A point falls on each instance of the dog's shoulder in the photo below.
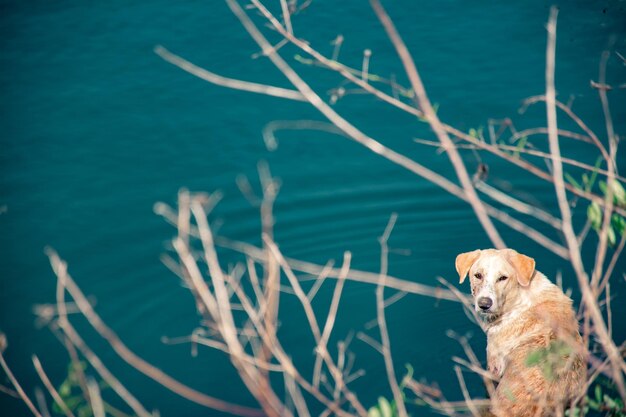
(551, 306)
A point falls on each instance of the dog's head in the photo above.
(495, 277)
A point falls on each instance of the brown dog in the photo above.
(533, 343)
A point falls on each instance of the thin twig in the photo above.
(139, 363)
(609, 269)
(350, 75)
(382, 321)
(354, 274)
(60, 270)
(372, 144)
(567, 110)
(8, 391)
(286, 16)
(332, 315)
(488, 377)
(518, 205)
(41, 401)
(104, 373)
(608, 207)
(226, 82)
(466, 396)
(14, 382)
(97, 405)
(53, 392)
(313, 324)
(430, 115)
(370, 341)
(250, 375)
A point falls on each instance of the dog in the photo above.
(534, 346)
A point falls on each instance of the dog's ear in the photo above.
(464, 262)
(524, 266)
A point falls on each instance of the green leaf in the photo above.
(56, 408)
(409, 370)
(509, 394)
(394, 409)
(563, 349)
(572, 181)
(520, 145)
(407, 376)
(619, 223)
(585, 180)
(535, 357)
(385, 407)
(573, 412)
(73, 371)
(619, 194)
(610, 236)
(373, 412)
(85, 411)
(593, 405)
(609, 401)
(65, 389)
(598, 393)
(594, 214)
(547, 370)
(73, 402)
(594, 175)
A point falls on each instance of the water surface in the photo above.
(96, 129)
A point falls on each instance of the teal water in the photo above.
(96, 129)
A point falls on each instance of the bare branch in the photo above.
(382, 321)
(140, 364)
(310, 314)
(332, 315)
(608, 207)
(353, 275)
(468, 399)
(286, 16)
(435, 123)
(104, 373)
(226, 82)
(14, 382)
(94, 393)
(518, 205)
(53, 392)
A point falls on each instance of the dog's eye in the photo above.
(502, 278)
(478, 275)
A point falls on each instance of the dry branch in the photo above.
(14, 382)
(382, 321)
(53, 392)
(430, 115)
(139, 363)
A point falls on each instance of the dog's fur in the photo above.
(527, 313)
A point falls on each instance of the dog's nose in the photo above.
(485, 303)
